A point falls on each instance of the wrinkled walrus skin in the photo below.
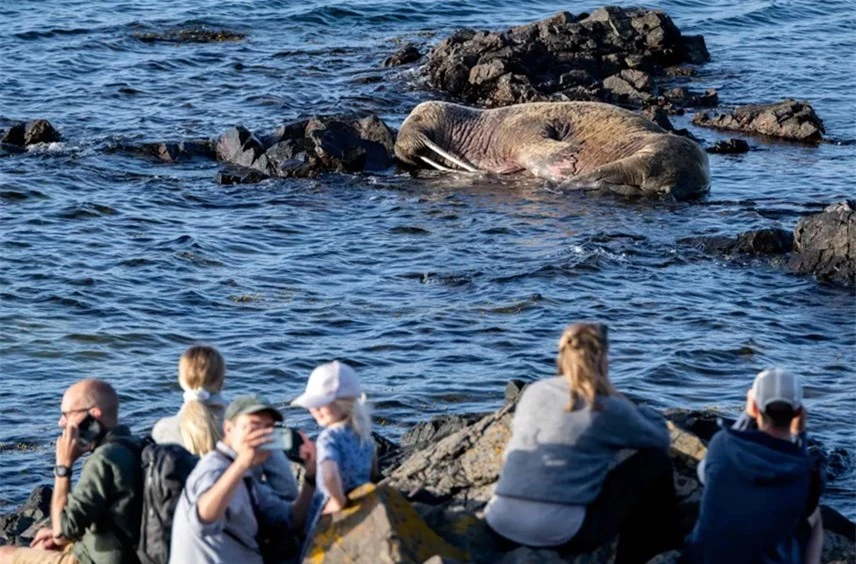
(580, 144)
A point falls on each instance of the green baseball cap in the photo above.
(246, 405)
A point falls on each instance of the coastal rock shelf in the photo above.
(448, 471)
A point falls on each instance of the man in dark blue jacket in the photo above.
(761, 487)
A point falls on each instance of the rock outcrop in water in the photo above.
(821, 244)
(190, 35)
(825, 244)
(29, 133)
(788, 119)
(448, 479)
(612, 54)
(309, 147)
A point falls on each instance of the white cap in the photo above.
(777, 385)
(328, 383)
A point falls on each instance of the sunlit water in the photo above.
(438, 290)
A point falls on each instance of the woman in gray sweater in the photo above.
(566, 482)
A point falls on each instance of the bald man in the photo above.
(98, 520)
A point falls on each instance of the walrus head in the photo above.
(425, 133)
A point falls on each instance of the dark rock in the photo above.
(408, 54)
(610, 55)
(14, 135)
(772, 241)
(344, 145)
(172, 152)
(701, 423)
(730, 147)
(289, 158)
(19, 526)
(238, 175)
(682, 96)
(697, 52)
(389, 454)
(40, 131)
(238, 146)
(629, 87)
(513, 389)
(190, 35)
(423, 434)
(788, 119)
(659, 116)
(825, 244)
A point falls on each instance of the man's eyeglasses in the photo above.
(70, 411)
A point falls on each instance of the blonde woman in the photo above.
(198, 425)
(560, 487)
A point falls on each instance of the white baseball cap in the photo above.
(777, 385)
(327, 383)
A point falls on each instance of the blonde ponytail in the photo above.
(201, 372)
(200, 429)
(582, 360)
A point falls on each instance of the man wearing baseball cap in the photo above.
(222, 508)
(761, 488)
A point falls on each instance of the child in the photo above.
(345, 448)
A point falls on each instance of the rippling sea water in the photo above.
(438, 290)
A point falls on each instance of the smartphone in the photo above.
(293, 450)
(280, 439)
(89, 431)
(287, 440)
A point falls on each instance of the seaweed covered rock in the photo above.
(825, 244)
(611, 54)
(788, 119)
(378, 525)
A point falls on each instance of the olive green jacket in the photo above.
(102, 515)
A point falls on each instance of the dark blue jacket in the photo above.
(754, 503)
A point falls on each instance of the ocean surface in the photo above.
(438, 290)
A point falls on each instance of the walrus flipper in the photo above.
(550, 159)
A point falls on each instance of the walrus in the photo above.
(578, 144)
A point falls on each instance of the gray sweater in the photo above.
(563, 457)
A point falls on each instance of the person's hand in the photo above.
(308, 455)
(798, 423)
(68, 447)
(332, 506)
(44, 540)
(249, 453)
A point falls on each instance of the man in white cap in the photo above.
(761, 488)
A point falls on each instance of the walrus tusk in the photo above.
(437, 165)
(448, 157)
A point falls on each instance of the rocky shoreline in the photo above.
(446, 468)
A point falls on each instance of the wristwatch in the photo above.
(61, 471)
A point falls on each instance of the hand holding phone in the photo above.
(89, 431)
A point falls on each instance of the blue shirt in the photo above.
(232, 538)
(353, 456)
